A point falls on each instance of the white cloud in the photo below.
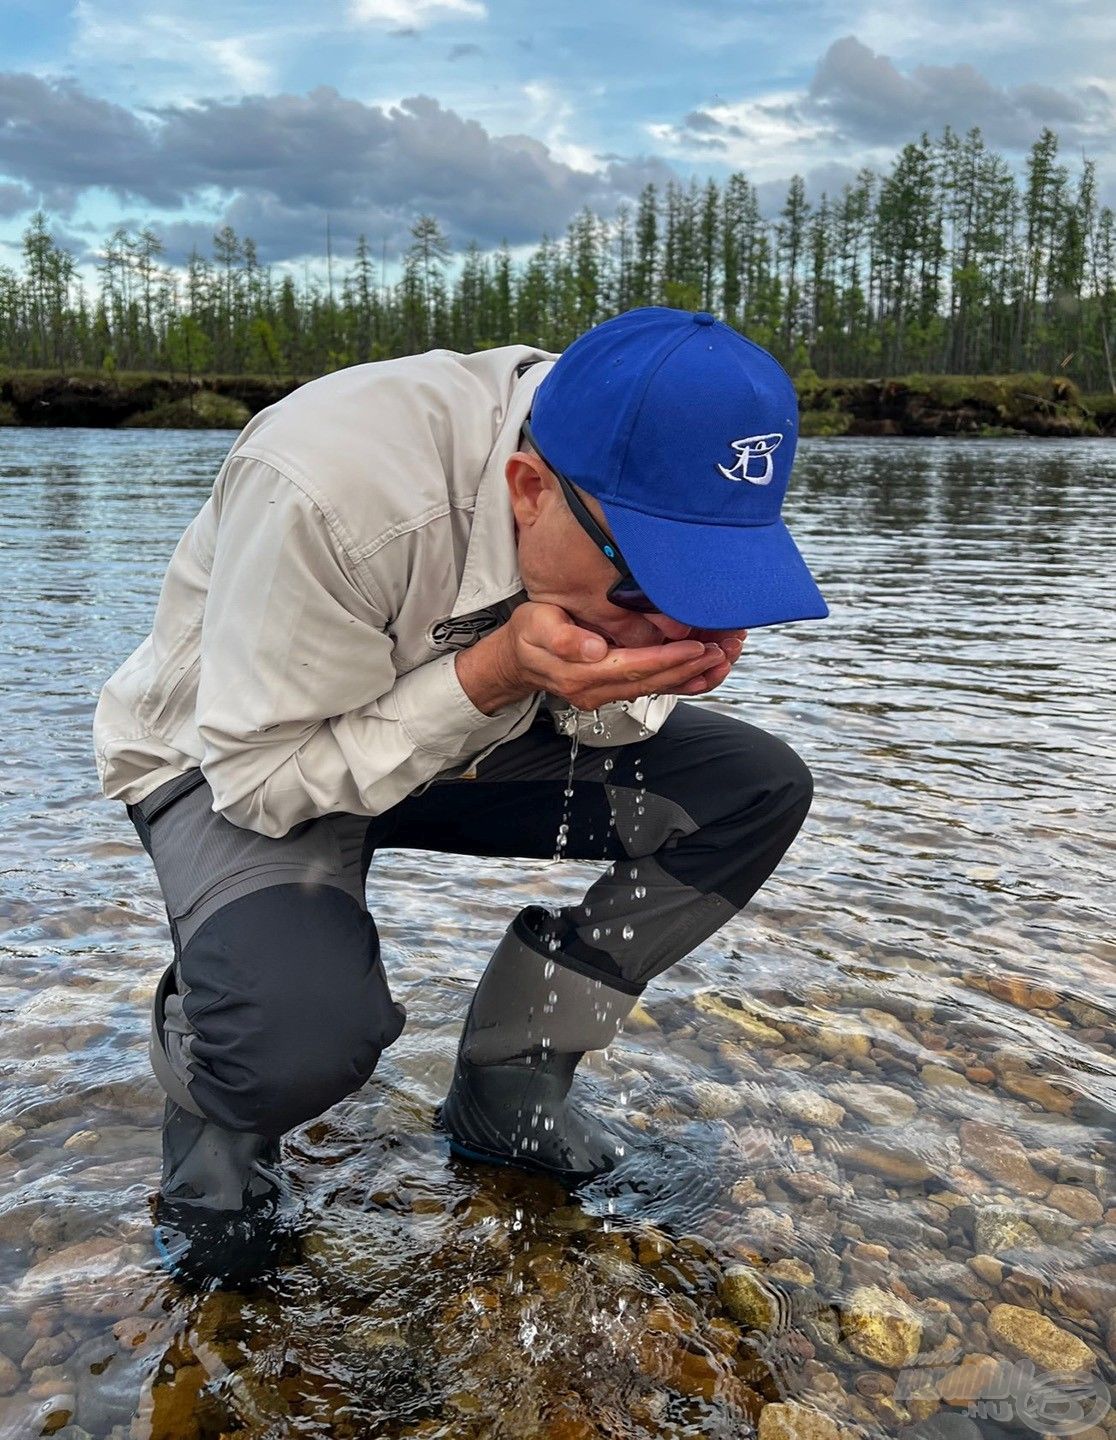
(415, 14)
(768, 136)
(860, 107)
(547, 118)
(199, 58)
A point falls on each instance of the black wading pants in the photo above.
(277, 1004)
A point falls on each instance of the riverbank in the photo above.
(992, 406)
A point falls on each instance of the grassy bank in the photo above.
(980, 405)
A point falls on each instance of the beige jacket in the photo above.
(358, 534)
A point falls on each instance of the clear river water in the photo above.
(878, 1104)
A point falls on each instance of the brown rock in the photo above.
(10, 1132)
(791, 1420)
(1018, 990)
(933, 1074)
(748, 1299)
(810, 1185)
(790, 1271)
(87, 1259)
(810, 1108)
(1001, 1157)
(1034, 1087)
(988, 1268)
(880, 1326)
(890, 1159)
(1029, 1334)
(9, 1376)
(48, 1350)
(1076, 1201)
(878, 1104)
(753, 1028)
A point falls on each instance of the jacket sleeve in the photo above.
(300, 710)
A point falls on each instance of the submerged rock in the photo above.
(9, 1375)
(1001, 1157)
(753, 1027)
(892, 1160)
(10, 1132)
(1076, 1201)
(810, 1108)
(879, 1325)
(792, 1420)
(714, 1100)
(748, 1299)
(1029, 1334)
(996, 1230)
(877, 1104)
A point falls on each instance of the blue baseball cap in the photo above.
(685, 432)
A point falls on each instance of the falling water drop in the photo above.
(564, 825)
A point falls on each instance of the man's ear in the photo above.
(527, 485)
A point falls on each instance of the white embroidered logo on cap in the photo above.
(754, 449)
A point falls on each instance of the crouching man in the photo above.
(412, 582)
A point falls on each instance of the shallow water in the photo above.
(942, 928)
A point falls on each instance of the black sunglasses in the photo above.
(626, 592)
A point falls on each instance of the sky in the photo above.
(504, 119)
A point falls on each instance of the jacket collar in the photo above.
(491, 572)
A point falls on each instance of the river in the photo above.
(878, 1104)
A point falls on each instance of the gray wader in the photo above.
(277, 1005)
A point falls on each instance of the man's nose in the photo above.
(671, 629)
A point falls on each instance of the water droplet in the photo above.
(628, 932)
(596, 932)
(640, 892)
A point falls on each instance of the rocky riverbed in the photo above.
(858, 1222)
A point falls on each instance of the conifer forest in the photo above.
(948, 263)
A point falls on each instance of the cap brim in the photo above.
(717, 577)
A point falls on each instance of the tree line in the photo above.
(947, 263)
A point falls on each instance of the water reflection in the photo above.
(876, 1110)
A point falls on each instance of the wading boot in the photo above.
(224, 1214)
(531, 1020)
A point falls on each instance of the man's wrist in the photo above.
(487, 677)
